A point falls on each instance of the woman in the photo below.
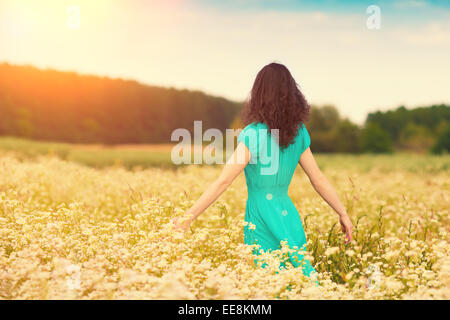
(274, 117)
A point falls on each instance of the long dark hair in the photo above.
(277, 101)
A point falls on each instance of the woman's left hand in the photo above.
(182, 223)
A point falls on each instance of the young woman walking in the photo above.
(269, 148)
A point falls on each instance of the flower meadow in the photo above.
(68, 231)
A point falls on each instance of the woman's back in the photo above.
(271, 166)
(268, 176)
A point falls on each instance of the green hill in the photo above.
(69, 107)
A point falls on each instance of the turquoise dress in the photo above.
(268, 206)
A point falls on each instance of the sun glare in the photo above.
(25, 17)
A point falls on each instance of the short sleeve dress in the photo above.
(268, 207)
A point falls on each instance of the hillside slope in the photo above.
(66, 106)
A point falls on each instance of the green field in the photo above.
(145, 156)
(89, 228)
(97, 156)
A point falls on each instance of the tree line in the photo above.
(68, 107)
(421, 129)
(65, 106)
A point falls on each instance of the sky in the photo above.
(219, 46)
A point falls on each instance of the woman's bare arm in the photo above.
(234, 166)
(326, 190)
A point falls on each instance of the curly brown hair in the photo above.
(276, 100)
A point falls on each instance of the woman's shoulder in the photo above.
(303, 138)
(302, 128)
(253, 127)
(251, 136)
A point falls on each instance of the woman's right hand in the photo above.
(346, 226)
(326, 191)
(182, 223)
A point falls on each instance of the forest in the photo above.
(422, 129)
(67, 107)
(50, 105)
